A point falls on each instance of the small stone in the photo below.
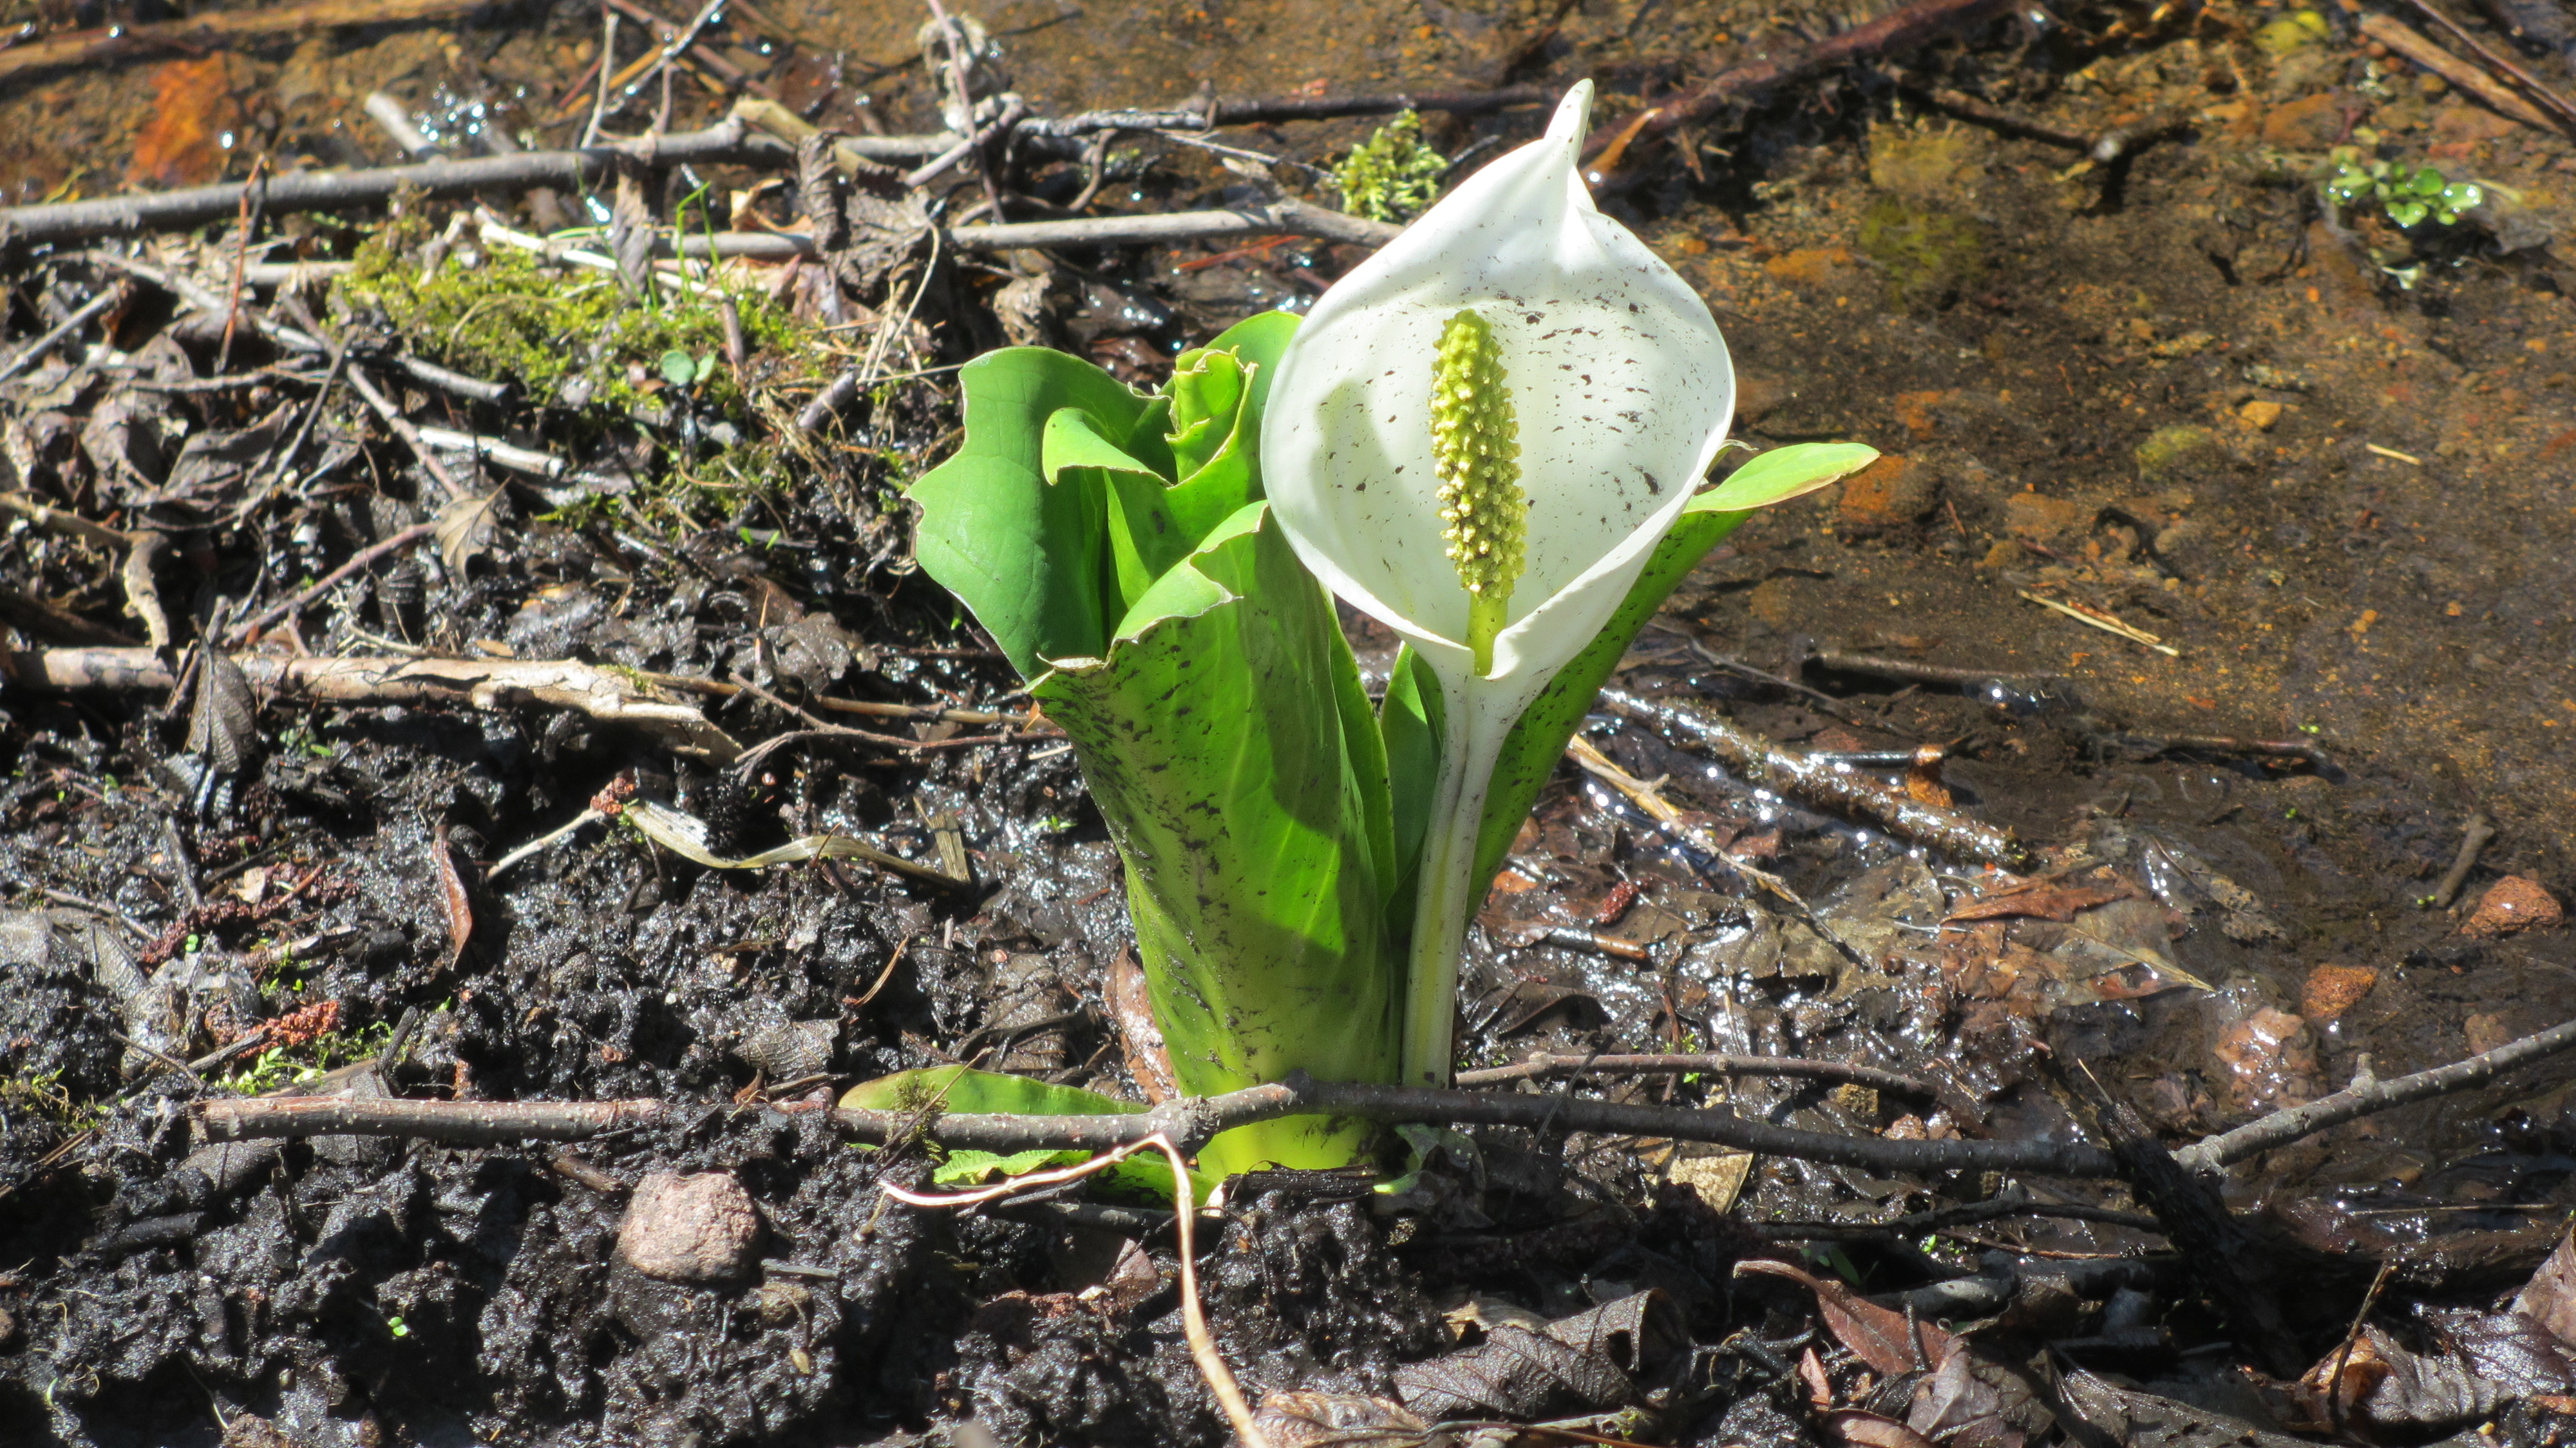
(2486, 1031)
(2512, 904)
(1889, 493)
(249, 1430)
(2310, 123)
(8, 1330)
(2271, 1060)
(1773, 602)
(1813, 266)
(2034, 518)
(2332, 989)
(2176, 454)
(2005, 554)
(2260, 414)
(696, 1229)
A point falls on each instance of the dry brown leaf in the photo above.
(223, 723)
(1610, 1357)
(464, 529)
(1338, 1420)
(454, 899)
(1139, 1039)
(2058, 900)
(1871, 1430)
(2549, 1298)
(1878, 1336)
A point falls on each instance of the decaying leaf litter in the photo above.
(2169, 388)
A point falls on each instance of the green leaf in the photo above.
(1025, 555)
(1218, 393)
(2407, 213)
(1411, 722)
(1143, 539)
(1247, 798)
(964, 1091)
(970, 1092)
(1531, 750)
(1784, 473)
(679, 368)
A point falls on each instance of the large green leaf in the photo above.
(1411, 723)
(1247, 797)
(1531, 750)
(1072, 493)
(1024, 554)
(1216, 415)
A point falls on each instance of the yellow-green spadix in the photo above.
(1620, 391)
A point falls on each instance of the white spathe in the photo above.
(1622, 389)
(1617, 371)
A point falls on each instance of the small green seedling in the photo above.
(2409, 196)
(1392, 176)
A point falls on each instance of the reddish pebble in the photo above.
(2512, 904)
(697, 1228)
(2332, 989)
(2271, 1060)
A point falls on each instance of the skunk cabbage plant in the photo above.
(1490, 436)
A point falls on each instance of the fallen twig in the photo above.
(1545, 1066)
(2014, 1203)
(1295, 218)
(1901, 30)
(1190, 1122)
(2102, 148)
(2501, 65)
(1286, 214)
(607, 695)
(2480, 830)
(211, 30)
(2369, 1098)
(726, 142)
(2107, 623)
(137, 551)
(1668, 817)
(35, 350)
(2389, 31)
(1831, 785)
(1914, 673)
(249, 628)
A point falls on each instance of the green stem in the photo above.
(1487, 612)
(1448, 894)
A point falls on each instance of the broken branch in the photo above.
(602, 694)
(1550, 1067)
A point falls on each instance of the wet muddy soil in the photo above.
(2322, 463)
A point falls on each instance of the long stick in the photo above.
(2355, 1102)
(1901, 30)
(62, 329)
(1543, 1067)
(1191, 1122)
(726, 142)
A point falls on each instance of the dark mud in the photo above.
(2323, 462)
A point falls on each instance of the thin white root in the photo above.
(1203, 1348)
